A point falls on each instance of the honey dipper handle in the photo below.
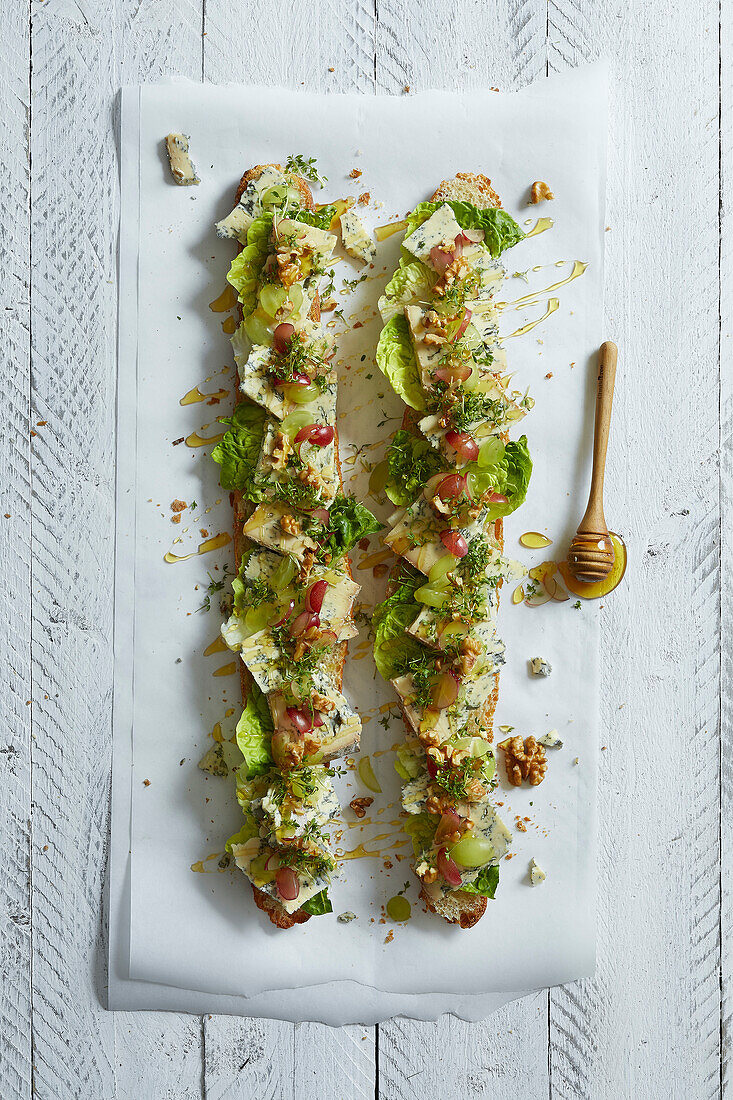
(594, 520)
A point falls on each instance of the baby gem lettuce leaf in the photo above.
(393, 649)
(318, 904)
(485, 882)
(254, 733)
(249, 830)
(396, 360)
(246, 268)
(500, 229)
(411, 462)
(409, 283)
(508, 474)
(349, 521)
(237, 453)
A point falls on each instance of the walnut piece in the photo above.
(280, 450)
(309, 557)
(360, 806)
(524, 759)
(540, 191)
(322, 703)
(290, 525)
(178, 505)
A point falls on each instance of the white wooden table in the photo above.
(654, 1021)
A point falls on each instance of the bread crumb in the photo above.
(176, 518)
(178, 505)
(355, 173)
(146, 782)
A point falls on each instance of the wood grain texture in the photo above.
(15, 576)
(726, 530)
(499, 45)
(648, 1024)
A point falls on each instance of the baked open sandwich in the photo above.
(292, 598)
(452, 474)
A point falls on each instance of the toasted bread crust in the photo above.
(275, 911)
(468, 187)
(459, 908)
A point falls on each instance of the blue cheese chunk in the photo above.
(306, 238)
(259, 651)
(182, 167)
(340, 730)
(439, 231)
(416, 537)
(550, 740)
(249, 206)
(536, 874)
(427, 355)
(538, 666)
(265, 526)
(355, 238)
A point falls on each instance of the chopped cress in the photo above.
(292, 598)
(451, 478)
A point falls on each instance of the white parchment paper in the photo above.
(174, 927)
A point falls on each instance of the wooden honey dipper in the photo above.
(591, 554)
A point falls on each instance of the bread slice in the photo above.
(459, 907)
(335, 661)
(467, 187)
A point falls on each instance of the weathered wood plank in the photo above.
(462, 46)
(159, 1054)
(295, 46)
(82, 53)
(15, 577)
(501, 1058)
(648, 1023)
(73, 307)
(726, 529)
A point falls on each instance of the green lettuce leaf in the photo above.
(411, 461)
(254, 733)
(393, 649)
(396, 360)
(485, 883)
(500, 229)
(249, 830)
(246, 268)
(421, 827)
(349, 521)
(409, 283)
(238, 451)
(508, 474)
(318, 905)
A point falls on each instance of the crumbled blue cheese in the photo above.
(536, 874)
(538, 666)
(182, 167)
(346, 917)
(355, 238)
(439, 231)
(265, 526)
(416, 536)
(550, 740)
(249, 206)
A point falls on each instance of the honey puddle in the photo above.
(195, 395)
(210, 544)
(226, 300)
(217, 646)
(196, 440)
